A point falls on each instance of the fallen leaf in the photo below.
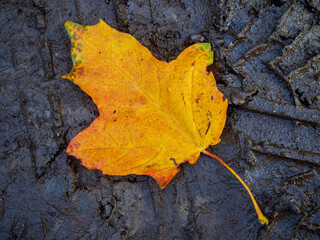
(154, 115)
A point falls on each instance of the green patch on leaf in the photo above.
(210, 56)
(205, 46)
(77, 61)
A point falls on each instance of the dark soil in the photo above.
(267, 62)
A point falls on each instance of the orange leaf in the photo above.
(153, 115)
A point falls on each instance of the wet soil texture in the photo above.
(267, 62)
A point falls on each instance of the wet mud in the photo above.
(266, 62)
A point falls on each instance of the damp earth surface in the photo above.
(266, 62)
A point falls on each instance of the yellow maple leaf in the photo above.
(154, 115)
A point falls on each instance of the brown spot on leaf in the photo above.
(209, 124)
(80, 70)
(174, 161)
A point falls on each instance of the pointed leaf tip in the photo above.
(67, 24)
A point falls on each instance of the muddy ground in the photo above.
(267, 62)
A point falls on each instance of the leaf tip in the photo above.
(68, 77)
(205, 46)
(68, 24)
(164, 183)
(163, 176)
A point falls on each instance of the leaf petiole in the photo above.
(262, 219)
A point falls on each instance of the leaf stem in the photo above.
(262, 219)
